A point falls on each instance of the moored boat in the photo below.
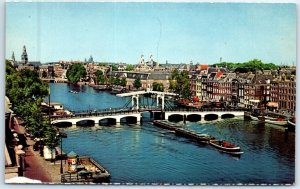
(291, 124)
(253, 118)
(280, 122)
(226, 147)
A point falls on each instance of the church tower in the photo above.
(13, 57)
(24, 56)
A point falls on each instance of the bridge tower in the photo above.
(162, 98)
(135, 101)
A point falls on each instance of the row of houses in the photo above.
(274, 89)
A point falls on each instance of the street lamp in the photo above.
(61, 135)
(21, 154)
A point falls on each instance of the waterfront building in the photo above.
(241, 81)
(159, 77)
(204, 96)
(274, 95)
(287, 93)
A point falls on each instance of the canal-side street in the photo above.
(142, 153)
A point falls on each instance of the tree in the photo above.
(26, 91)
(114, 67)
(76, 72)
(137, 83)
(182, 83)
(111, 80)
(44, 74)
(117, 81)
(158, 86)
(123, 82)
(129, 67)
(172, 85)
(100, 77)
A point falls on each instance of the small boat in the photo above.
(291, 124)
(253, 118)
(226, 147)
(280, 122)
(72, 91)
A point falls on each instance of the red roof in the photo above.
(219, 74)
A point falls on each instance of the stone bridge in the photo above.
(195, 115)
(93, 118)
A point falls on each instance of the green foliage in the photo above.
(26, 92)
(123, 82)
(76, 72)
(117, 81)
(129, 67)
(250, 66)
(100, 77)
(111, 80)
(172, 85)
(182, 85)
(44, 74)
(9, 67)
(114, 67)
(158, 86)
(137, 83)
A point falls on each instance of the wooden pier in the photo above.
(88, 171)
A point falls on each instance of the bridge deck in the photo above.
(146, 92)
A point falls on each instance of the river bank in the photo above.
(36, 167)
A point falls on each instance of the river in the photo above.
(145, 154)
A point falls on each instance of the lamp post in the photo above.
(61, 135)
(20, 153)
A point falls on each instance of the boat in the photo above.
(253, 118)
(72, 91)
(278, 121)
(271, 120)
(291, 124)
(203, 138)
(226, 147)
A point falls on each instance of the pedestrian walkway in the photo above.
(33, 166)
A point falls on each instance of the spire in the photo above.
(13, 57)
(24, 56)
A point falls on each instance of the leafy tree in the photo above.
(123, 82)
(129, 67)
(114, 67)
(182, 83)
(111, 80)
(26, 92)
(76, 72)
(172, 85)
(250, 66)
(158, 86)
(117, 81)
(100, 77)
(44, 74)
(137, 83)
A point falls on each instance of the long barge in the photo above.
(201, 138)
(183, 132)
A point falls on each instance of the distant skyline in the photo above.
(176, 32)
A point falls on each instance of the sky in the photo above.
(173, 32)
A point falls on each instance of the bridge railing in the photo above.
(205, 109)
(109, 112)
